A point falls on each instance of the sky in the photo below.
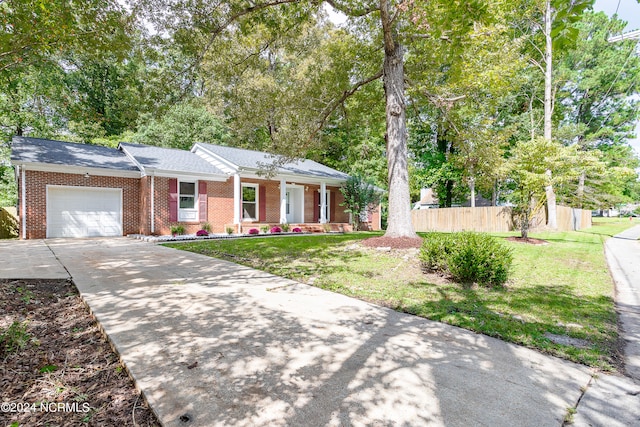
(628, 10)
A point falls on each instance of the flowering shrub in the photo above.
(276, 229)
(202, 232)
(297, 230)
(254, 231)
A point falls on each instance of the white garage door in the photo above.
(84, 212)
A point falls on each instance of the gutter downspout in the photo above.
(153, 196)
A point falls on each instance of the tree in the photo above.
(527, 171)
(360, 198)
(596, 111)
(383, 24)
(181, 127)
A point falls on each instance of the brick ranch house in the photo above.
(79, 190)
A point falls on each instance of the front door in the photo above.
(295, 205)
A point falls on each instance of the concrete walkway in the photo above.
(623, 257)
(213, 343)
(29, 259)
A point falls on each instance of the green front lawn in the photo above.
(562, 288)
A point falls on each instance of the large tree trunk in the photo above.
(399, 219)
(472, 189)
(552, 221)
(580, 193)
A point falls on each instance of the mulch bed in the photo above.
(528, 240)
(62, 372)
(393, 242)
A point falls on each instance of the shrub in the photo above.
(468, 257)
(264, 229)
(202, 232)
(254, 231)
(284, 227)
(276, 229)
(229, 230)
(297, 230)
(177, 229)
(206, 227)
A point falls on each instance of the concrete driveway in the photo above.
(214, 343)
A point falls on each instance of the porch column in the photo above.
(283, 201)
(237, 198)
(323, 203)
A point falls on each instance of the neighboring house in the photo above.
(428, 200)
(79, 190)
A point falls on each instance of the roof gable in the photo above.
(256, 160)
(152, 158)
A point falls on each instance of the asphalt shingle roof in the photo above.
(37, 150)
(254, 159)
(169, 159)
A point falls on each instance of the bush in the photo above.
(297, 230)
(177, 229)
(202, 232)
(206, 227)
(276, 229)
(264, 229)
(254, 231)
(468, 257)
(284, 227)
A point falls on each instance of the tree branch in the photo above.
(355, 13)
(336, 103)
(230, 20)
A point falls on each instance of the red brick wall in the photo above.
(219, 207)
(137, 204)
(36, 195)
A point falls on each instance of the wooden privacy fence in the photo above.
(492, 219)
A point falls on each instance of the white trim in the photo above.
(132, 158)
(196, 203)
(186, 176)
(283, 201)
(153, 197)
(237, 195)
(80, 170)
(323, 203)
(79, 187)
(23, 210)
(327, 206)
(257, 188)
(299, 179)
(215, 159)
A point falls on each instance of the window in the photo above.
(326, 208)
(187, 196)
(250, 202)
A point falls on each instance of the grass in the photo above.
(562, 288)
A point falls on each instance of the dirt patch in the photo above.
(61, 370)
(528, 240)
(393, 242)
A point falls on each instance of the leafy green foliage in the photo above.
(182, 126)
(360, 198)
(14, 337)
(468, 257)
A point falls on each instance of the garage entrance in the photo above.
(84, 211)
